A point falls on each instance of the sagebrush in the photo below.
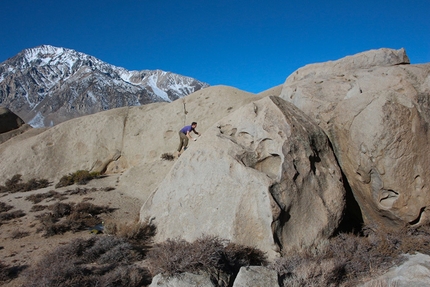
(15, 184)
(98, 261)
(348, 258)
(208, 253)
(78, 177)
(65, 217)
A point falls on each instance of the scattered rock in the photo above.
(182, 280)
(256, 276)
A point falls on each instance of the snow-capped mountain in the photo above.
(47, 85)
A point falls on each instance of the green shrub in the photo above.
(79, 177)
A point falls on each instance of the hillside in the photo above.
(48, 85)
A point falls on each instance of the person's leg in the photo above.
(183, 141)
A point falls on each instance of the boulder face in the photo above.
(264, 176)
(9, 121)
(127, 142)
(375, 110)
(10, 125)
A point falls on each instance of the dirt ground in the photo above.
(21, 245)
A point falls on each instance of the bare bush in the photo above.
(7, 273)
(16, 234)
(98, 261)
(15, 184)
(37, 198)
(4, 207)
(205, 254)
(6, 216)
(78, 177)
(71, 217)
(167, 156)
(349, 258)
(136, 231)
(37, 207)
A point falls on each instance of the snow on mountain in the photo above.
(47, 85)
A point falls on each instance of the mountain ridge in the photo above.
(47, 85)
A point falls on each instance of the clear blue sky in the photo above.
(248, 44)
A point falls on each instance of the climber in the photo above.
(184, 135)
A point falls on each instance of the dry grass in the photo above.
(15, 184)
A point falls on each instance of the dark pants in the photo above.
(183, 141)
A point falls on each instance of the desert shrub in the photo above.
(15, 184)
(37, 207)
(80, 191)
(6, 216)
(50, 225)
(167, 156)
(205, 254)
(313, 266)
(4, 207)
(19, 234)
(98, 261)
(36, 198)
(238, 255)
(349, 257)
(8, 273)
(404, 239)
(59, 209)
(138, 232)
(78, 177)
(71, 217)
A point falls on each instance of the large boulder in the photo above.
(126, 141)
(375, 109)
(264, 176)
(11, 125)
(8, 120)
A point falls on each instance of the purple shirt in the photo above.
(186, 129)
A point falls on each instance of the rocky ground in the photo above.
(22, 244)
